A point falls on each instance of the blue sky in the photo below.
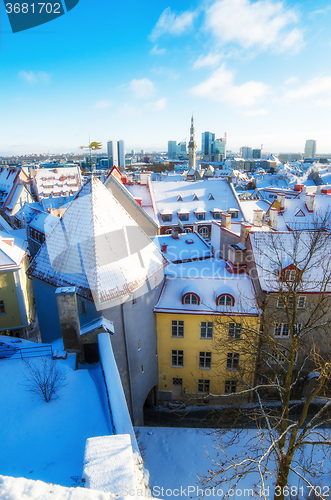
(258, 70)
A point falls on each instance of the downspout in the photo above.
(127, 359)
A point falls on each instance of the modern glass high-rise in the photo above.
(219, 147)
(246, 152)
(206, 143)
(310, 148)
(172, 150)
(116, 154)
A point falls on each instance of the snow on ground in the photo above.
(42, 440)
(175, 457)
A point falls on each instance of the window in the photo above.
(225, 300)
(2, 307)
(230, 386)
(142, 369)
(232, 361)
(201, 216)
(281, 303)
(282, 330)
(301, 302)
(206, 330)
(234, 215)
(134, 299)
(177, 358)
(166, 218)
(204, 359)
(204, 385)
(234, 331)
(139, 345)
(217, 215)
(187, 230)
(191, 298)
(177, 328)
(281, 356)
(290, 275)
(183, 217)
(204, 232)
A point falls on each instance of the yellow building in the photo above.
(206, 319)
(16, 293)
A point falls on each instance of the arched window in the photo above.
(204, 232)
(225, 300)
(191, 298)
(187, 230)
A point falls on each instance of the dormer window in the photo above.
(225, 300)
(290, 275)
(191, 298)
(200, 213)
(179, 198)
(195, 197)
(166, 218)
(211, 197)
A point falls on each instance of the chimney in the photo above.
(257, 217)
(226, 220)
(310, 198)
(69, 320)
(245, 228)
(281, 200)
(273, 217)
(164, 247)
(174, 234)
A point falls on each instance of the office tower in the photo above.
(218, 147)
(172, 146)
(257, 153)
(116, 154)
(310, 148)
(246, 152)
(207, 139)
(181, 149)
(192, 147)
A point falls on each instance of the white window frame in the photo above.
(177, 328)
(203, 386)
(232, 361)
(177, 358)
(206, 329)
(234, 331)
(230, 387)
(205, 360)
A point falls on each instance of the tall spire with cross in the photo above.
(192, 147)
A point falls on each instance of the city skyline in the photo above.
(255, 70)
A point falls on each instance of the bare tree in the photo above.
(292, 277)
(45, 378)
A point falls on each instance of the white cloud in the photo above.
(209, 60)
(291, 80)
(156, 51)
(103, 104)
(263, 24)
(33, 77)
(317, 91)
(158, 105)
(220, 87)
(142, 88)
(171, 23)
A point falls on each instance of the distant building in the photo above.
(206, 144)
(181, 148)
(257, 153)
(288, 157)
(172, 150)
(246, 152)
(192, 147)
(116, 154)
(310, 148)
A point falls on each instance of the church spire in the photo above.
(192, 147)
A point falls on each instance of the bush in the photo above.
(45, 378)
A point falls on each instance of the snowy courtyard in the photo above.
(42, 440)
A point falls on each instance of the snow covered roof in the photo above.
(188, 246)
(48, 181)
(209, 278)
(97, 247)
(248, 207)
(103, 323)
(297, 216)
(12, 251)
(44, 222)
(274, 251)
(166, 198)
